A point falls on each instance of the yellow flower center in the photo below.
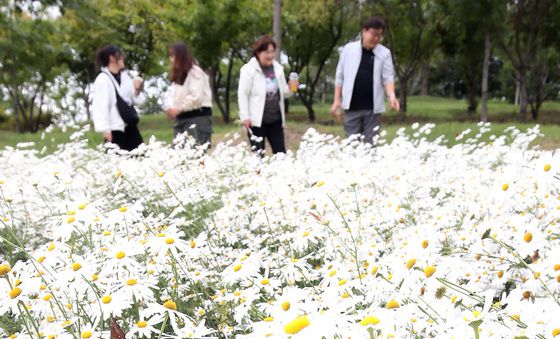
(170, 304)
(528, 237)
(236, 267)
(82, 206)
(500, 274)
(106, 299)
(392, 304)
(70, 220)
(141, 324)
(555, 332)
(14, 293)
(169, 241)
(410, 263)
(268, 319)
(47, 297)
(76, 266)
(369, 320)
(94, 277)
(51, 247)
(547, 167)
(86, 334)
(120, 255)
(505, 187)
(286, 305)
(123, 209)
(4, 269)
(265, 281)
(332, 273)
(131, 282)
(425, 243)
(342, 282)
(297, 325)
(429, 271)
(193, 244)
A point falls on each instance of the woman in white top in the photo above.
(261, 93)
(113, 80)
(189, 97)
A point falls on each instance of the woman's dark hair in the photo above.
(262, 44)
(374, 22)
(104, 53)
(184, 61)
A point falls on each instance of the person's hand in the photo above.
(246, 123)
(138, 83)
(172, 113)
(395, 105)
(108, 136)
(335, 109)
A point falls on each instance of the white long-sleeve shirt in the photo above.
(347, 68)
(105, 114)
(251, 93)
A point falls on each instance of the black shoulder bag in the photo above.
(127, 112)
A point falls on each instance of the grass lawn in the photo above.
(449, 115)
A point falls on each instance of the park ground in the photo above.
(449, 115)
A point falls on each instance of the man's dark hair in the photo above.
(374, 22)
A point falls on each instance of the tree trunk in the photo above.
(522, 97)
(425, 78)
(516, 100)
(214, 83)
(403, 93)
(485, 68)
(16, 117)
(308, 103)
(472, 103)
(276, 27)
(228, 90)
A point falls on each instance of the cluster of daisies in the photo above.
(407, 239)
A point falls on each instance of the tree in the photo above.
(219, 32)
(312, 31)
(87, 26)
(465, 36)
(32, 55)
(521, 39)
(410, 28)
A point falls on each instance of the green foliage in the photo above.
(32, 56)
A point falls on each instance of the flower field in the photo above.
(411, 239)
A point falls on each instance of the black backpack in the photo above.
(127, 112)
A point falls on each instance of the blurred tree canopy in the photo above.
(473, 50)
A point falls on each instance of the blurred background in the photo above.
(457, 62)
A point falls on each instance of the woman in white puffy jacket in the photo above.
(188, 99)
(112, 79)
(261, 93)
